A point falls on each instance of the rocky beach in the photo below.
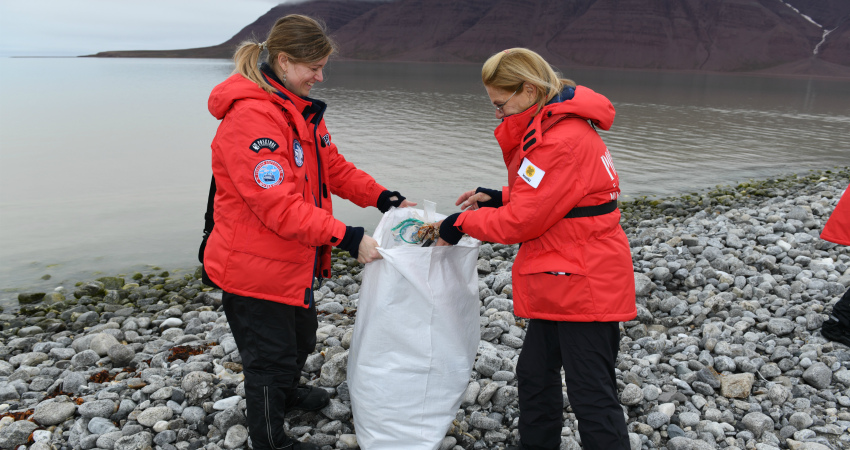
(733, 285)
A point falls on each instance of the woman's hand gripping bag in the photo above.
(415, 338)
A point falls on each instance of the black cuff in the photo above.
(448, 231)
(384, 202)
(495, 198)
(351, 241)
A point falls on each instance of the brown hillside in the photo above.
(335, 14)
(717, 35)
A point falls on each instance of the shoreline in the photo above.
(42, 280)
(771, 72)
(733, 285)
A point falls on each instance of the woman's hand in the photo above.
(442, 243)
(389, 199)
(368, 250)
(470, 199)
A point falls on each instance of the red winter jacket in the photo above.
(562, 154)
(275, 168)
(837, 228)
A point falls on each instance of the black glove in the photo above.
(495, 198)
(448, 231)
(351, 241)
(385, 203)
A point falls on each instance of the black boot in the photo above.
(837, 327)
(265, 417)
(308, 398)
(835, 331)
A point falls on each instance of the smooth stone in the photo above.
(101, 342)
(100, 425)
(171, 322)
(97, 408)
(226, 403)
(758, 423)
(153, 415)
(121, 355)
(53, 413)
(236, 436)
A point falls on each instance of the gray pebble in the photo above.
(134, 441)
(50, 413)
(100, 425)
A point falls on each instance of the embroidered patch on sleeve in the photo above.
(530, 173)
(262, 143)
(268, 173)
(298, 153)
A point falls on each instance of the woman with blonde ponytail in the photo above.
(275, 168)
(572, 276)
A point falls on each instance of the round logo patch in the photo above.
(268, 173)
(298, 152)
(529, 170)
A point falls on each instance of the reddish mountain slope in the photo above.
(716, 35)
(335, 14)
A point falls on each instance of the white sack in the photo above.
(415, 338)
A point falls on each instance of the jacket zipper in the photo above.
(317, 118)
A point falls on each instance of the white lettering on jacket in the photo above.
(609, 164)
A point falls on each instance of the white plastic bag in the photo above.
(415, 337)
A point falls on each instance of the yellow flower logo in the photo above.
(529, 171)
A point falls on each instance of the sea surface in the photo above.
(105, 163)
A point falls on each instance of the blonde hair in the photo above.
(302, 39)
(510, 69)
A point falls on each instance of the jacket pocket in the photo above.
(257, 240)
(551, 294)
(269, 279)
(529, 261)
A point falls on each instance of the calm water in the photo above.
(104, 163)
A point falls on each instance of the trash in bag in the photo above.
(408, 230)
(417, 229)
(415, 338)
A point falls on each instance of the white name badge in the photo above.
(530, 173)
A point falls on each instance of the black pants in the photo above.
(274, 341)
(841, 310)
(587, 351)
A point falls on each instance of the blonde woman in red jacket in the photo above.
(275, 168)
(573, 274)
(837, 229)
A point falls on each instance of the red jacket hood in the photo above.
(237, 87)
(581, 102)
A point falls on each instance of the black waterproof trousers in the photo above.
(841, 310)
(587, 351)
(274, 341)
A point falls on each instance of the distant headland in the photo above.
(786, 37)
